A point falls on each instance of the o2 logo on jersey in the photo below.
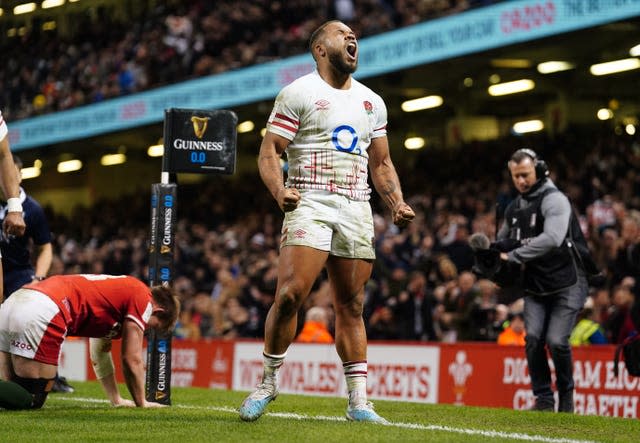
(340, 136)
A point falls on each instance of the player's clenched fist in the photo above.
(288, 199)
(402, 214)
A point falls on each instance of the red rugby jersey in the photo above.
(96, 305)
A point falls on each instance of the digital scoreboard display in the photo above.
(200, 141)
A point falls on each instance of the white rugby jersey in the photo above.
(330, 131)
(3, 127)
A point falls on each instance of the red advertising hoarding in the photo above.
(475, 374)
(490, 375)
(203, 363)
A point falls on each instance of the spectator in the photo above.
(608, 252)
(203, 313)
(414, 310)
(620, 325)
(462, 301)
(587, 330)
(383, 325)
(627, 262)
(315, 329)
(185, 327)
(601, 304)
(514, 334)
(483, 315)
(459, 250)
(235, 319)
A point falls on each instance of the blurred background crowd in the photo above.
(423, 287)
(110, 55)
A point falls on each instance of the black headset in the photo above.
(542, 171)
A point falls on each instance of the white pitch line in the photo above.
(417, 426)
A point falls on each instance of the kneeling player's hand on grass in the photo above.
(123, 403)
(152, 404)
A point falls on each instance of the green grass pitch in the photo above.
(199, 415)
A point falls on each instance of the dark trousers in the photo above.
(14, 279)
(549, 321)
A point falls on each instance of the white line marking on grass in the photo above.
(82, 399)
(417, 426)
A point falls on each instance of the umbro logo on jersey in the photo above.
(322, 105)
(300, 233)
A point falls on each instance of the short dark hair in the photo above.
(165, 299)
(521, 154)
(315, 35)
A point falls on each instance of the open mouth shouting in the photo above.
(352, 50)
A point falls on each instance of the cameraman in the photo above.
(553, 281)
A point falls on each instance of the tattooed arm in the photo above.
(385, 179)
(271, 150)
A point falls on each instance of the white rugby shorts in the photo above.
(330, 222)
(31, 326)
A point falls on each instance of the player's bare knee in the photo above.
(351, 308)
(290, 299)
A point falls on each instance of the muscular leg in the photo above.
(298, 268)
(347, 278)
(27, 368)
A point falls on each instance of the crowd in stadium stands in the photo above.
(107, 57)
(422, 287)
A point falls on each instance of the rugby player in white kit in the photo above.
(333, 130)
